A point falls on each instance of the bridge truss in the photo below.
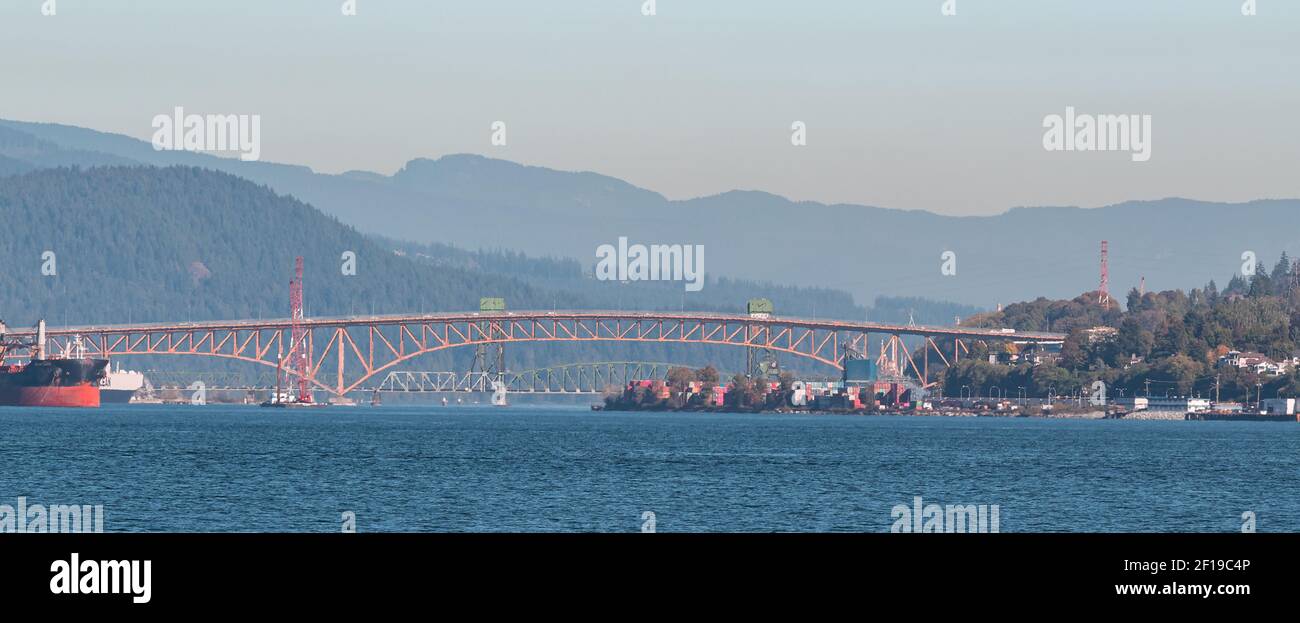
(343, 354)
(574, 378)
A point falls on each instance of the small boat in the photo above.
(281, 400)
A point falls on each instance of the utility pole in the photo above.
(1216, 389)
(1148, 384)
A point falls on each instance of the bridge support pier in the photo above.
(490, 357)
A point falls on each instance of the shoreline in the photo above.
(1084, 415)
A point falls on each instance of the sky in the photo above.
(904, 107)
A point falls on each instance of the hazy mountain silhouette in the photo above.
(476, 202)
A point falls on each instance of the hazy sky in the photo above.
(905, 107)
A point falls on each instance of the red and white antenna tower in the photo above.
(299, 359)
(1103, 292)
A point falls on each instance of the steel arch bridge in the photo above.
(570, 378)
(346, 352)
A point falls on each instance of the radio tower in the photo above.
(299, 359)
(1103, 292)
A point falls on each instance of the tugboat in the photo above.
(285, 399)
(68, 380)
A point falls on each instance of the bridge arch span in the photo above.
(347, 352)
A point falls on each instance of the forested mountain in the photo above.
(143, 244)
(1171, 339)
(566, 279)
(148, 244)
(473, 202)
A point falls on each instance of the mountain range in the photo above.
(132, 244)
(475, 202)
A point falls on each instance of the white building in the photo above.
(1180, 405)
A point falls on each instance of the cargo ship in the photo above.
(118, 386)
(68, 380)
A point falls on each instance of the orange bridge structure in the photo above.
(343, 354)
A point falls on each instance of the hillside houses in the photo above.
(1258, 363)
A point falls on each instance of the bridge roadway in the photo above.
(398, 319)
(359, 348)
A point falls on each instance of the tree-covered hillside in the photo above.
(473, 202)
(567, 279)
(145, 244)
(149, 244)
(1171, 342)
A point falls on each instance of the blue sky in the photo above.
(905, 107)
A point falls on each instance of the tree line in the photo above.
(1163, 343)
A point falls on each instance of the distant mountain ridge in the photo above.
(149, 244)
(476, 202)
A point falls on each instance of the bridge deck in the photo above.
(398, 319)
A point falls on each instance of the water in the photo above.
(218, 468)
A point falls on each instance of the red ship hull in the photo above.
(75, 396)
(52, 383)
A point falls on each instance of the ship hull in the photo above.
(116, 396)
(52, 383)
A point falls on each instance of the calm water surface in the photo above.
(472, 468)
